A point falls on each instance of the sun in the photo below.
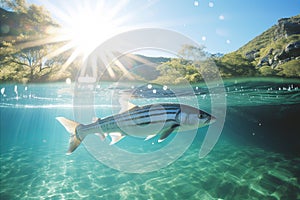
(89, 31)
(84, 25)
(88, 27)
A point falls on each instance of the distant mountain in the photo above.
(143, 66)
(277, 50)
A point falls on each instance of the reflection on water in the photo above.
(257, 156)
(239, 92)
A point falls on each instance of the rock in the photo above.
(282, 55)
(287, 27)
(270, 51)
(263, 61)
(275, 52)
(293, 49)
(257, 55)
(271, 61)
(251, 55)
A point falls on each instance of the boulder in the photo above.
(293, 49)
(287, 27)
(263, 61)
(251, 55)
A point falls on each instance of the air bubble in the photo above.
(2, 91)
(228, 41)
(154, 91)
(196, 3)
(221, 17)
(68, 81)
(203, 38)
(149, 86)
(211, 4)
(165, 87)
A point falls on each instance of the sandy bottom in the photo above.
(228, 172)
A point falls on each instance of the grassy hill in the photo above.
(275, 52)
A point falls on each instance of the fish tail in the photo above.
(71, 126)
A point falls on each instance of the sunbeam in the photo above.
(84, 25)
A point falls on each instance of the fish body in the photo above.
(139, 121)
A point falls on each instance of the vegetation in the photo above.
(290, 69)
(269, 55)
(234, 64)
(22, 58)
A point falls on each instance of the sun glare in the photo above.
(84, 25)
(89, 28)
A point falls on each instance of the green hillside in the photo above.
(276, 52)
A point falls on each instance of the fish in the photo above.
(145, 121)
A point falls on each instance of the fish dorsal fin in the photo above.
(127, 106)
(167, 132)
(95, 119)
(131, 105)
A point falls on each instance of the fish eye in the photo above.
(201, 115)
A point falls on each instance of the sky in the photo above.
(222, 26)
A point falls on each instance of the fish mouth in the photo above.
(210, 120)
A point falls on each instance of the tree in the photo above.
(19, 6)
(192, 53)
(193, 66)
(233, 64)
(20, 59)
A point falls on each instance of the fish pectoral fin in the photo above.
(102, 136)
(149, 137)
(115, 137)
(167, 132)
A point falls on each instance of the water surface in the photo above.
(256, 157)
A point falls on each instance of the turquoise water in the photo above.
(256, 157)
